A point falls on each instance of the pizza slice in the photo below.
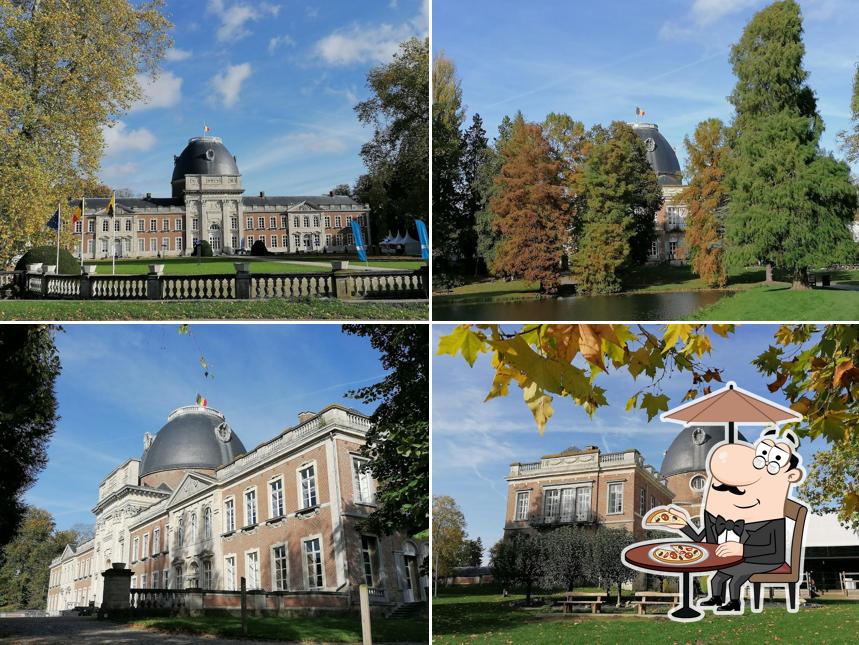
(666, 516)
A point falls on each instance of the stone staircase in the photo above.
(407, 610)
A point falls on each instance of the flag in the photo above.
(54, 222)
(201, 400)
(639, 111)
(111, 206)
(206, 128)
(79, 211)
(424, 238)
(359, 242)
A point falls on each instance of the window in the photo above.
(285, 240)
(297, 239)
(552, 503)
(250, 507)
(230, 573)
(116, 225)
(250, 223)
(276, 498)
(250, 241)
(252, 569)
(370, 557)
(281, 579)
(338, 239)
(235, 241)
(674, 217)
(523, 501)
(274, 241)
(178, 243)
(180, 536)
(316, 240)
(141, 244)
(583, 503)
(337, 221)
(313, 563)
(327, 240)
(165, 224)
(697, 483)
(153, 225)
(195, 224)
(126, 244)
(166, 578)
(91, 226)
(78, 226)
(207, 523)
(230, 515)
(178, 223)
(261, 222)
(193, 528)
(145, 546)
(105, 226)
(178, 582)
(349, 237)
(295, 221)
(307, 221)
(207, 574)
(104, 246)
(143, 581)
(134, 582)
(308, 486)
(283, 221)
(642, 500)
(128, 225)
(316, 220)
(361, 481)
(652, 501)
(272, 222)
(165, 243)
(234, 223)
(136, 552)
(156, 541)
(672, 249)
(156, 579)
(654, 248)
(153, 244)
(615, 497)
(327, 220)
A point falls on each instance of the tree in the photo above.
(790, 204)
(398, 440)
(518, 561)
(448, 536)
(487, 235)
(567, 553)
(705, 198)
(471, 554)
(530, 211)
(29, 366)
(397, 157)
(850, 138)
(476, 150)
(67, 70)
(606, 562)
(342, 189)
(620, 199)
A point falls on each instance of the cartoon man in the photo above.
(744, 511)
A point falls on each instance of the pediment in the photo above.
(191, 485)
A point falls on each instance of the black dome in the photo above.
(189, 440)
(688, 452)
(204, 156)
(662, 157)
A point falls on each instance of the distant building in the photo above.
(207, 203)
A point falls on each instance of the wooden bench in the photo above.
(654, 598)
(595, 600)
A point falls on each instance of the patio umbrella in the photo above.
(730, 405)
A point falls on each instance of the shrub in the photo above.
(258, 248)
(205, 249)
(48, 255)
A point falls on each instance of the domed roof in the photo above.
(193, 437)
(204, 156)
(688, 452)
(660, 154)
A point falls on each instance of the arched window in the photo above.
(180, 536)
(207, 523)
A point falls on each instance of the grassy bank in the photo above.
(326, 628)
(487, 617)
(780, 302)
(60, 310)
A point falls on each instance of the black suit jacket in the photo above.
(763, 542)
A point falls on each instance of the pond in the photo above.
(625, 307)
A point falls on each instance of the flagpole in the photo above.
(113, 233)
(83, 207)
(59, 224)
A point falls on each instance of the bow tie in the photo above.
(729, 525)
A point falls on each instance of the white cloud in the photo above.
(349, 94)
(235, 17)
(119, 139)
(119, 170)
(229, 82)
(174, 54)
(299, 144)
(163, 91)
(363, 43)
(279, 41)
(706, 12)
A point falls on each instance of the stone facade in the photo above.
(283, 516)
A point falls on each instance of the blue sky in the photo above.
(120, 381)
(474, 442)
(597, 61)
(277, 80)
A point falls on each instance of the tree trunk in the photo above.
(800, 278)
(618, 594)
(769, 277)
(528, 593)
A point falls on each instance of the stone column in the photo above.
(153, 282)
(117, 587)
(341, 285)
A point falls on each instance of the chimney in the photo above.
(305, 416)
(331, 193)
(148, 195)
(262, 194)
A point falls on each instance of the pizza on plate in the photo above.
(677, 553)
(666, 516)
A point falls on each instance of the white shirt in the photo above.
(728, 536)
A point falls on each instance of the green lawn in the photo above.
(333, 628)
(780, 302)
(316, 309)
(195, 266)
(490, 290)
(488, 618)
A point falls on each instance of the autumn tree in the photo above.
(448, 536)
(850, 137)
(790, 204)
(620, 198)
(531, 216)
(67, 70)
(705, 197)
(397, 157)
(488, 237)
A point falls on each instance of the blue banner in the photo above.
(359, 241)
(54, 222)
(424, 238)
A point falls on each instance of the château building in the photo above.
(207, 202)
(199, 510)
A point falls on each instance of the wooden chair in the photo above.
(788, 573)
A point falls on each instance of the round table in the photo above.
(639, 556)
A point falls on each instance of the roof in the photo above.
(660, 154)
(190, 440)
(688, 452)
(826, 530)
(316, 201)
(319, 202)
(731, 403)
(204, 156)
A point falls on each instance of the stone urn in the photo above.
(117, 565)
(156, 268)
(89, 269)
(242, 267)
(50, 268)
(36, 267)
(338, 265)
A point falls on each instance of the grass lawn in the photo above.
(335, 628)
(780, 302)
(191, 266)
(487, 618)
(316, 309)
(490, 291)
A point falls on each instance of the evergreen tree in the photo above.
(705, 198)
(475, 153)
(531, 214)
(448, 148)
(620, 199)
(790, 204)
(850, 138)
(488, 236)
